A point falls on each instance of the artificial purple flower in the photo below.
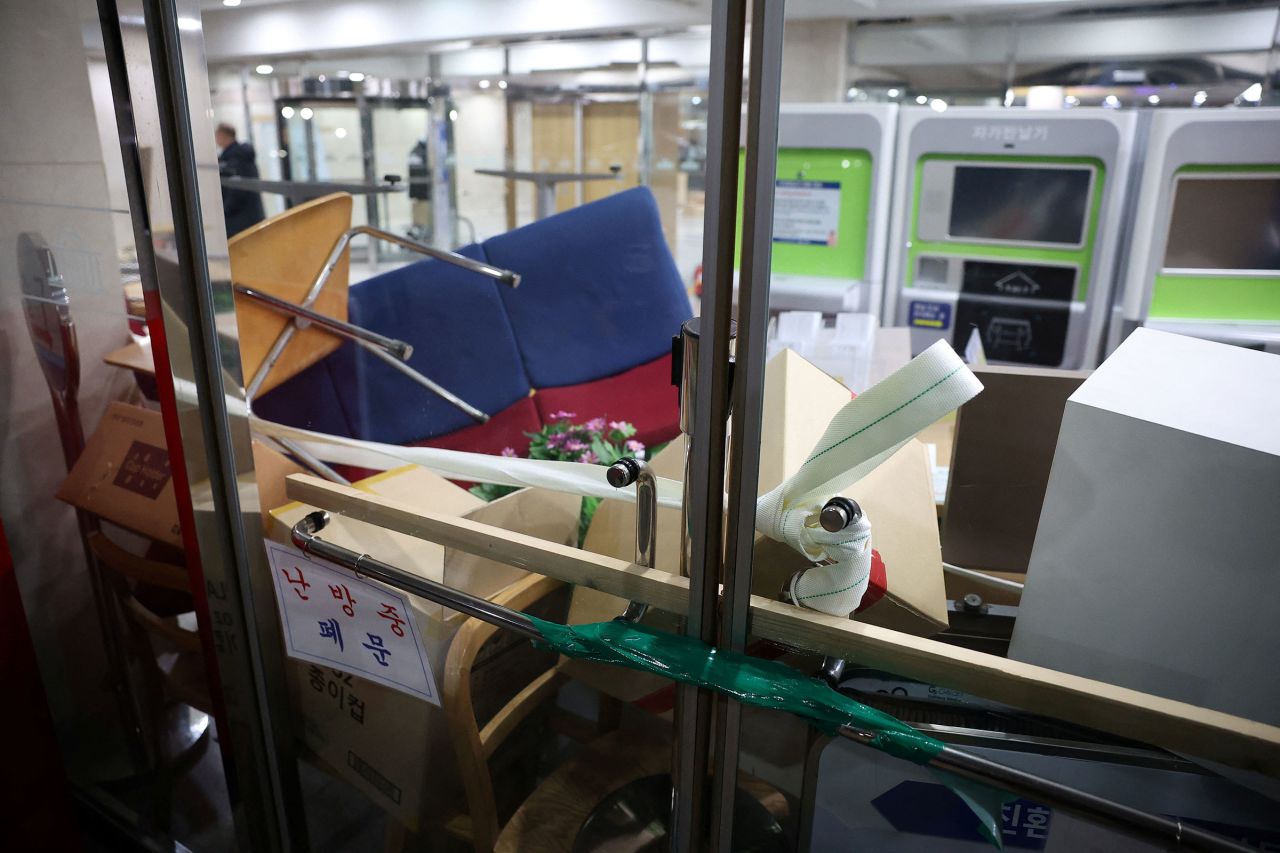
(589, 457)
(620, 426)
(563, 416)
(556, 439)
(509, 452)
(634, 446)
(575, 446)
(595, 424)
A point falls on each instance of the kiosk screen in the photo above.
(1020, 204)
(1225, 224)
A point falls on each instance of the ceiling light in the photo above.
(938, 105)
(306, 113)
(695, 100)
(922, 99)
(893, 93)
(1111, 102)
(340, 132)
(356, 76)
(484, 84)
(1153, 99)
(1200, 97)
(232, 3)
(188, 24)
(322, 78)
(1253, 94)
(453, 115)
(502, 84)
(287, 112)
(264, 68)
(1071, 101)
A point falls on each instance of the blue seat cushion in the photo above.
(309, 401)
(599, 293)
(461, 340)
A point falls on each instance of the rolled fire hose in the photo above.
(868, 430)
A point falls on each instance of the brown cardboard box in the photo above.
(800, 401)
(392, 746)
(123, 475)
(1004, 444)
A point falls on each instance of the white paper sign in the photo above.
(332, 617)
(806, 212)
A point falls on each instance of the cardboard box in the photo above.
(1155, 562)
(123, 475)
(1003, 450)
(800, 401)
(392, 746)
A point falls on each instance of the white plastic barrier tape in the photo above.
(869, 429)
(572, 477)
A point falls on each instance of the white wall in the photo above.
(479, 139)
(53, 182)
(813, 60)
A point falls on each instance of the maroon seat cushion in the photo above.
(505, 429)
(642, 395)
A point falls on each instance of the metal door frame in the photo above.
(236, 612)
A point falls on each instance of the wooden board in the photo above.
(282, 256)
(554, 134)
(1151, 719)
(610, 137)
(132, 356)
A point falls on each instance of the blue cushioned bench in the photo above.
(588, 330)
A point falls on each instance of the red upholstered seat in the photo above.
(505, 429)
(642, 395)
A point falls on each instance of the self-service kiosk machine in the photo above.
(1008, 220)
(1205, 257)
(831, 207)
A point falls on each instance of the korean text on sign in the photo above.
(358, 627)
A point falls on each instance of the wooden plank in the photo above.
(1151, 719)
(617, 577)
(132, 356)
(282, 256)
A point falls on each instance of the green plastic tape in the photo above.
(765, 684)
(752, 681)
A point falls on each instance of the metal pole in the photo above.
(304, 537)
(247, 675)
(704, 513)
(763, 97)
(347, 331)
(244, 102)
(622, 473)
(434, 387)
(1050, 793)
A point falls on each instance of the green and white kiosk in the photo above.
(1205, 257)
(831, 207)
(1008, 220)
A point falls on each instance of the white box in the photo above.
(1156, 564)
(394, 747)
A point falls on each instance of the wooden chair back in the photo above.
(475, 744)
(126, 569)
(282, 256)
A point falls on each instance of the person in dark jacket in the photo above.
(241, 208)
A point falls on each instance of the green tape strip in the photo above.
(752, 681)
(765, 684)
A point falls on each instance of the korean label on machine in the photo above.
(333, 618)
